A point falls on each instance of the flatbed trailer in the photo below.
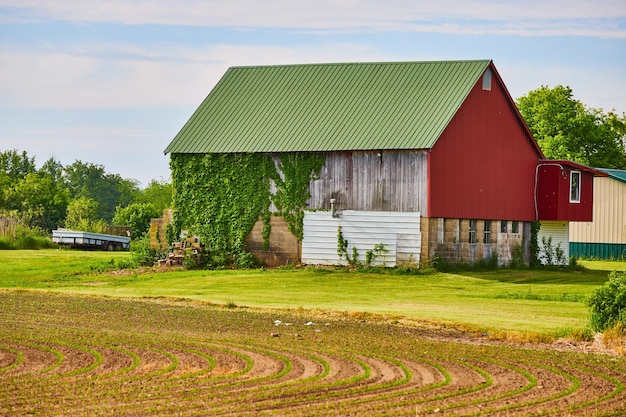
(90, 240)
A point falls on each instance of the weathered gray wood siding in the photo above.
(369, 181)
(372, 181)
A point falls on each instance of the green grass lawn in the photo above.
(541, 302)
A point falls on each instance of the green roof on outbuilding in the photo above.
(329, 107)
(616, 174)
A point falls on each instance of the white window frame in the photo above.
(472, 231)
(574, 198)
(487, 232)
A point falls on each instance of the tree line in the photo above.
(81, 196)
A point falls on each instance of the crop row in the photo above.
(67, 355)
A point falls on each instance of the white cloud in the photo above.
(86, 77)
(69, 80)
(604, 18)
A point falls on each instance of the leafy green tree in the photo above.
(13, 167)
(38, 198)
(16, 165)
(53, 169)
(5, 185)
(40, 201)
(127, 190)
(81, 213)
(157, 193)
(108, 190)
(566, 129)
(137, 216)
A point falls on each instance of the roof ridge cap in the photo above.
(320, 64)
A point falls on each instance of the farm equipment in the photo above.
(90, 240)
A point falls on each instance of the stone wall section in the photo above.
(284, 248)
(158, 239)
(449, 240)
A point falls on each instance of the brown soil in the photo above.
(99, 356)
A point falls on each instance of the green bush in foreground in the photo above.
(608, 303)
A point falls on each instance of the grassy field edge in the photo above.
(505, 304)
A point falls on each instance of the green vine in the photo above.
(219, 197)
(535, 226)
(293, 189)
(374, 253)
(342, 245)
(370, 255)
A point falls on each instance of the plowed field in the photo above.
(66, 355)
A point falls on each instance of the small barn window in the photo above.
(487, 80)
(514, 227)
(574, 187)
(472, 231)
(503, 226)
(487, 233)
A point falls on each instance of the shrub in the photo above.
(26, 242)
(517, 256)
(27, 238)
(552, 255)
(493, 261)
(143, 255)
(137, 216)
(246, 260)
(608, 303)
(189, 260)
(535, 227)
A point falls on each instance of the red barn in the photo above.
(429, 159)
(480, 165)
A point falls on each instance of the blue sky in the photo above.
(112, 82)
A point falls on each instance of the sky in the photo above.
(112, 82)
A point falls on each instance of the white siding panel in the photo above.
(559, 231)
(398, 231)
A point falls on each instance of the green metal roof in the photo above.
(616, 174)
(329, 107)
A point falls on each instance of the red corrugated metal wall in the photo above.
(483, 165)
(583, 211)
(549, 191)
(553, 194)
